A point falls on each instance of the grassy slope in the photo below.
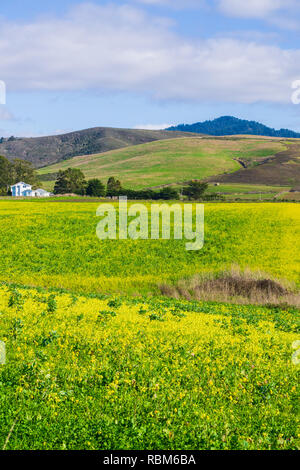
(295, 196)
(57, 247)
(43, 151)
(283, 169)
(170, 161)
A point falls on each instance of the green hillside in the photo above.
(283, 169)
(170, 161)
(51, 149)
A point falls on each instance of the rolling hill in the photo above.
(172, 161)
(228, 125)
(281, 169)
(43, 151)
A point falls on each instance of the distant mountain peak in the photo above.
(230, 125)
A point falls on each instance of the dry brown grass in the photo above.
(235, 286)
(290, 196)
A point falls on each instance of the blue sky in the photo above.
(72, 64)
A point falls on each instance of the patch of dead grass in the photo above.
(235, 286)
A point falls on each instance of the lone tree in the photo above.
(95, 188)
(70, 181)
(195, 189)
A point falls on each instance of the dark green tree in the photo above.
(71, 180)
(95, 188)
(6, 177)
(195, 190)
(168, 193)
(113, 185)
(24, 171)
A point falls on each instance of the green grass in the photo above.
(52, 244)
(246, 188)
(250, 197)
(169, 161)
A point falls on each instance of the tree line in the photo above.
(73, 181)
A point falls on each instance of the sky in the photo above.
(73, 64)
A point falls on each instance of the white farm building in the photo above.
(25, 190)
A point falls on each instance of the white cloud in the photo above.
(254, 8)
(152, 127)
(291, 23)
(121, 48)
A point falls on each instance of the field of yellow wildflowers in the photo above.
(90, 367)
(100, 372)
(54, 244)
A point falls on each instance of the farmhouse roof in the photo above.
(41, 190)
(21, 182)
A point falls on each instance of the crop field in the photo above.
(54, 244)
(123, 373)
(169, 161)
(93, 361)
